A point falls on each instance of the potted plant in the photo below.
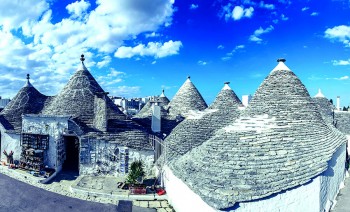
(135, 177)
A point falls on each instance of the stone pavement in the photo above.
(343, 198)
(97, 189)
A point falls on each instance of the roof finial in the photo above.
(281, 60)
(82, 65)
(226, 86)
(188, 77)
(28, 83)
(162, 95)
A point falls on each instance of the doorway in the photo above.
(72, 154)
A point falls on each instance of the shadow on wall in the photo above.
(237, 206)
(332, 178)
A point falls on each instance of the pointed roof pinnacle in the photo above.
(281, 66)
(28, 84)
(319, 94)
(82, 66)
(188, 78)
(226, 86)
(162, 95)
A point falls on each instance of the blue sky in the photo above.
(136, 48)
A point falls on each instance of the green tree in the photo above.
(136, 172)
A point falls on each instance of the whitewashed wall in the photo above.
(333, 179)
(54, 127)
(99, 157)
(317, 195)
(180, 196)
(10, 142)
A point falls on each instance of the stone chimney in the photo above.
(100, 111)
(156, 118)
(338, 102)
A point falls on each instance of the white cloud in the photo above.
(285, 1)
(314, 14)
(202, 63)
(14, 14)
(105, 62)
(230, 54)
(220, 46)
(256, 36)
(339, 78)
(339, 33)
(193, 6)
(126, 91)
(226, 58)
(78, 8)
(115, 73)
(112, 78)
(239, 12)
(152, 35)
(156, 50)
(266, 6)
(35, 39)
(304, 8)
(341, 62)
(239, 47)
(284, 18)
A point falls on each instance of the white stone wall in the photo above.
(10, 142)
(180, 196)
(333, 179)
(54, 126)
(317, 195)
(98, 157)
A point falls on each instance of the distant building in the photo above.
(246, 99)
(3, 103)
(130, 106)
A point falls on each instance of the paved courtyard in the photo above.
(19, 196)
(61, 186)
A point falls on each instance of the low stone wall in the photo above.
(102, 157)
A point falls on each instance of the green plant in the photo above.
(136, 172)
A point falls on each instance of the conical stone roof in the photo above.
(187, 98)
(200, 126)
(279, 143)
(27, 101)
(226, 98)
(163, 100)
(77, 98)
(325, 106)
